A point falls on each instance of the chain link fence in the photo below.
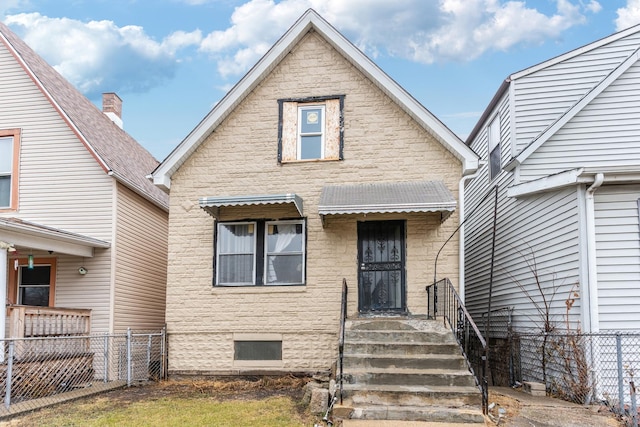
(38, 372)
(596, 368)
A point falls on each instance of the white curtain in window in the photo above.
(236, 245)
(286, 234)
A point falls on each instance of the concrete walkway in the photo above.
(524, 410)
(377, 423)
(33, 404)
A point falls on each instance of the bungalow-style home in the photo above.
(82, 231)
(316, 167)
(562, 144)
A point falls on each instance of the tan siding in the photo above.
(141, 263)
(89, 291)
(382, 144)
(61, 185)
(56, 170)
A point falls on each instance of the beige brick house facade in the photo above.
(235, 153)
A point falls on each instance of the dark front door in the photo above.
(381, 277)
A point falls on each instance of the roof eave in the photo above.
(311, 20)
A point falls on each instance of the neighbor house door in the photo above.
(381, 263)
(33, 285)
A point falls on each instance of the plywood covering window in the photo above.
(260, 253)
(9, 164)
(310, 129)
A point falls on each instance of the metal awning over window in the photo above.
(422, 196)
(213, 204)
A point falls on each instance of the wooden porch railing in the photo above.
(31, 322)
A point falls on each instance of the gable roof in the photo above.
(309, 21)
(571, 112)
(115, 150)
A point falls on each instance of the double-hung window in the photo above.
(310, 128)
(9, 150)
(495, 152)
(260, 253)
(310, 132)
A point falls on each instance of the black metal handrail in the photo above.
(472, 343)
(343, 318)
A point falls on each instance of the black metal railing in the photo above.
(443, 300)
(343, 318)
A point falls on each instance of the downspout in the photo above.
(592, 258)
(461, 185)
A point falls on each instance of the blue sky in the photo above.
(172, 60)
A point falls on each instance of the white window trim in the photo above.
(304, 250)
(9, 173)
(255, 256)
(301, 108)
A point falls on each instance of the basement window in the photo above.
(257, 350)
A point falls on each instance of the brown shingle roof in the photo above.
(115, 149)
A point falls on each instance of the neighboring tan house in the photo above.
(562, 143)
(316, 167)
(80, 225)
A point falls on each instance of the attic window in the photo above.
(310, 129)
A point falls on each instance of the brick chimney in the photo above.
(112, 107)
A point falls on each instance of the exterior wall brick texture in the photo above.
(381, 144)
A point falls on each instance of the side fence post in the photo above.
(165, 353)
(149, 343)
(620, 375)
(7, 395)
(106, 357)
(634, 406)
(129, 357)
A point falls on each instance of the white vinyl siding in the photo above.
(605, 133)
(545, 95)
(141, 264)
(544, 226)
(618, 255)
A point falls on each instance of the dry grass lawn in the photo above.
(258, 402)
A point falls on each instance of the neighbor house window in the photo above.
(494, 148)
(9, 150)
(310, 129)
(260, 253)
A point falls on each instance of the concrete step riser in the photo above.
(400, 336)
(432, 415)
(442, 362)
(450, 399)
(391, 349)
(430, 382)
(394, 378)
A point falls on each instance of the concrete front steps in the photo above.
(406, 369)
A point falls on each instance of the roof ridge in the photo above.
(117, 151)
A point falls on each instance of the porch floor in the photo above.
(34, 404)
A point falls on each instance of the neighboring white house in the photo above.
(80, 225)
(562, 143)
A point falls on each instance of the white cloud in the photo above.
(593, 6)
(628, 15)
(99, 56)
(419, 30)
